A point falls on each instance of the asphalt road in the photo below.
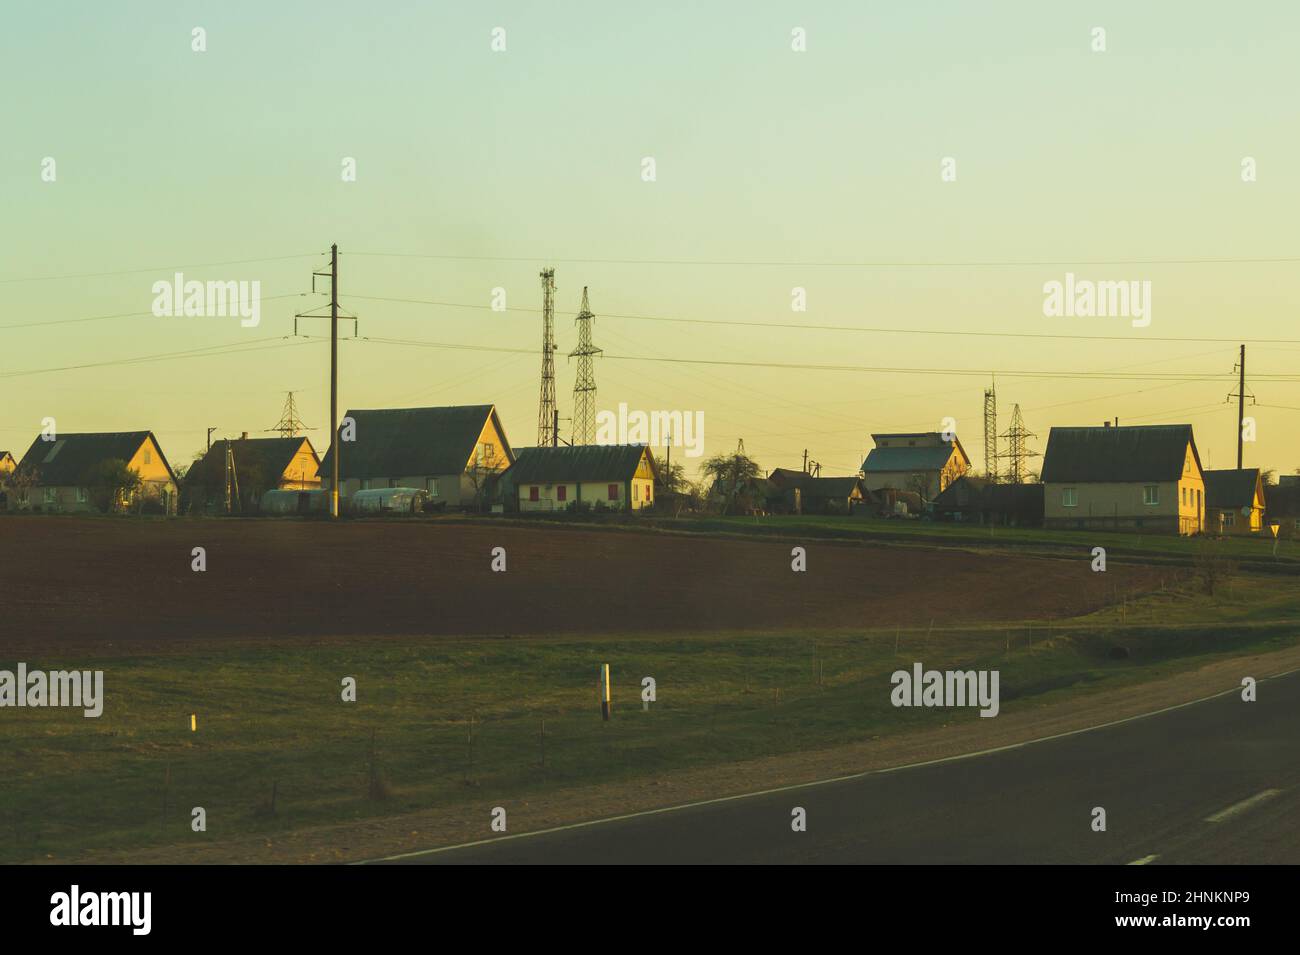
(1213, 782)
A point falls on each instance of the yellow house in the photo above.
(454, 453)
(1146, 478)
(917, 461)
(261, 464)
(7, 463)
(1234, 501)
(615, 476)
(63, 472)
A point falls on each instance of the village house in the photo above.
(1234, 501)
(978, 500)
(69, 473)
(1145, 478)
(261, 465)
(1282, 507)
(615, 476)
(798, 492)
(7, 466)
(453, 453)
(921, 462)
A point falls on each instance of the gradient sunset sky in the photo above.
(775, 169)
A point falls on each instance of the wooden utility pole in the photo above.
(1241, 402)
(334, 379)
(336, 451)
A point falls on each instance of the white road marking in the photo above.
(1237, 808)
(819, 782)
(1144, 860)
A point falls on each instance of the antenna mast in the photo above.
(547, 425)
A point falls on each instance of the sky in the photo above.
(821, 169)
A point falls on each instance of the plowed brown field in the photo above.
(80, 582)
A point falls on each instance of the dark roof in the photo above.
(836, 487)
(1281, 500)
(966, 491)
(970, 491)
(64, 461)
(908, 459)
(410, 442)
(268, 456)
(1231, 488)
(788, 477)
(1139, 453)
(592, 462)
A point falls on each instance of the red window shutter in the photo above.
(613, 492)
(561, 492)
(532, 494)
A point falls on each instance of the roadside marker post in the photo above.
(194, 722)
(604, 692)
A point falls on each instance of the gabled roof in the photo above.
(788, 477)
(979, 492)
(1134, 453)
(410, 442)
(909, 459)
(592, 462)
(269, 456)
(1231, 488)
(1281, 500)
(832, 487)
(967, 491)
(64, 461)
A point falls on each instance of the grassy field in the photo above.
(448, 723)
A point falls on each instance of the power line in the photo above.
(230, 348)
(860, 264)
(873, 369)
(101, 318)
(159, 268)
(796, 326)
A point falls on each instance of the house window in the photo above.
(148, 456)
(1070, 497)
(533, 494)
(51, 495)
(432, 485)
(81, 495)
(562, 492)
(613, 492)
(1185, 490)
(1151, 494)
(1228, 518)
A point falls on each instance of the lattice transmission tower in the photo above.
(546, 426)
(584, 385)
(289, 425)
(1018, 451)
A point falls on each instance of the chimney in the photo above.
(244, 436)
(1105, 424)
